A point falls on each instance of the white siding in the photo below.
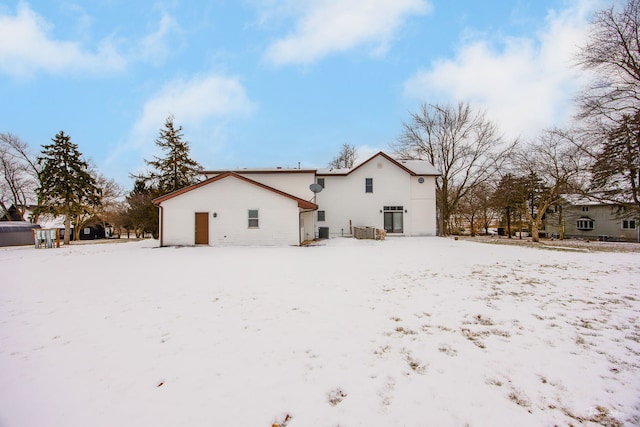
(294, 183)
(230, 199)
(423, 206)
(345, 201)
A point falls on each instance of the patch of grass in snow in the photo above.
(494, 381)
(580, 341)
(336, 396)
(598, 415)
(401, 330)
(417, 366)
(382, 350)
(285, 421)
(518, 397)
(448, 350)
(472, 336)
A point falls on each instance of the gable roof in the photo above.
(261, 171)
(412, 167)
(303, 204)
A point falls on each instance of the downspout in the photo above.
(161, 231)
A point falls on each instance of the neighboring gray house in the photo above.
(582, 217)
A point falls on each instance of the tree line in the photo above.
(598, 156)
(482, 174)
(61, 182)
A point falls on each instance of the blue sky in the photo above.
(260, 83)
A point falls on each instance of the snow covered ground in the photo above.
(403, 332)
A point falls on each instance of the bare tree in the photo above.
(476, 208)
(19, 175)
(461, 143)
(548, 167)
(610, 106)
(346, 158)
(612, 52)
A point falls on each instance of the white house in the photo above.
(278, 207)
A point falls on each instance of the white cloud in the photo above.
(154, 46)
(525, 84)
(327, 26)
(195, 101)
(202, 105)
(26, 48)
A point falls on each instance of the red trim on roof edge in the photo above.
(303, 204)
(380, 153)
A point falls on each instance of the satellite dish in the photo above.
(316, 188)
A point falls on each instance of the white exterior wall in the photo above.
(344, 199)
(231, 198)
(294, 183)
(423, 206)
(307, 225)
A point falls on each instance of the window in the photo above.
(321, 182)
(87, 230)
(253, 218)
(585, 209)
(585, 224)
(628, 224)
(368, 185)
(320, 216)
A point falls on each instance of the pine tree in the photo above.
(616, 171)
(175, 169)
(141, 215)
(66, 186)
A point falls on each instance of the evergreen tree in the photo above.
(175, 169)
(66, 186)
(616, 171)
(141, 215)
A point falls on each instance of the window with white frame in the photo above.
(585, 209)
(253, 218)
(628, 224)
(368, 185)
(320, 216)
(585, 224)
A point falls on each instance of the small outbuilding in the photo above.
(16, 233)
(230, 209)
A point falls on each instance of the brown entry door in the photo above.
(202, 228)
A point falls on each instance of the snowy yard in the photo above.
(404, 332)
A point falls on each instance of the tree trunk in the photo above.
(473, 226)
(67, 226)
(535, 234)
